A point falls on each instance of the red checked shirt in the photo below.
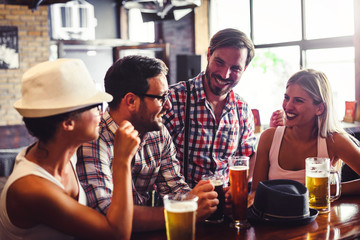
(210, 143)
(154, 163)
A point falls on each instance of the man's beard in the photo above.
(216, 90)
(146, 125)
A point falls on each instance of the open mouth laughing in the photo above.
(220, 81)
(290, 116)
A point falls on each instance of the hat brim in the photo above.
(37, 112)
(254, 219)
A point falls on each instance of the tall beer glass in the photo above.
(239, 168)
(218, 182)
(180, 216)
(318, 173)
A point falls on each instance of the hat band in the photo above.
(267, 216)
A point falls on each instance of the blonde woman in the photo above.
(311, 129)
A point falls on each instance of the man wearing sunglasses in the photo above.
(140, 95)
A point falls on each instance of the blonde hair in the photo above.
(317, 85)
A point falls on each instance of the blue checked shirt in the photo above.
(211, 143)
(154, 163)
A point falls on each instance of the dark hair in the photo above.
(230, 37)
(130, 74)
(44, 128)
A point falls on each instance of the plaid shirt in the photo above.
(210, 143)
(154, 163)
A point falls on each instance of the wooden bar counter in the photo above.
(343, 222)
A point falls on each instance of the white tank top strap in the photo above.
(276, 142)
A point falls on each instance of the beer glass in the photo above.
(180, 216)
(218, 182)
(239, 168)
(318, 172)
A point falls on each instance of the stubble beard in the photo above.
(144, 124)
(215, 90)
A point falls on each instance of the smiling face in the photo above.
(299, 107)
(224, 70)
(149, 116)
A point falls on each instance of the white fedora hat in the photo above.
(55, 87)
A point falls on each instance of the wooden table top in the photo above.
(343, 222)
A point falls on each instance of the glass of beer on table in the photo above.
(180, 216)
(239, 170)
(218, 182)
(318, 178)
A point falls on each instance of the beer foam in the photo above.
(239, 168)
(179, 207)
(217, 182)
(317, 170)
(319, 174)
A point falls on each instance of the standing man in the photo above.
(140, 95)
(221, 123)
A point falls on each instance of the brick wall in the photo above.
(180, 35)
(33, 36)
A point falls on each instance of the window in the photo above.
(289, 36)
(73, 20)
(336, 19)
(272, 23)
(263, 83)
(229, 13)
(338, 65)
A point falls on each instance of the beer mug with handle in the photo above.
(180, 216)
(318, 177)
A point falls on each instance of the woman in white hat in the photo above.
(42, 198)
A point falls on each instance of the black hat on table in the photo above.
(281, 201)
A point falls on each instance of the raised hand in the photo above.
(277, 118)
(126, 141)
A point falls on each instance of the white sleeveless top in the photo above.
(22, 168)
(276, 172)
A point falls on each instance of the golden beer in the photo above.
(180, 219)
(319, 192)
(239, 191)
(318, 175)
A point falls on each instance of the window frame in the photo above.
(308, 44)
